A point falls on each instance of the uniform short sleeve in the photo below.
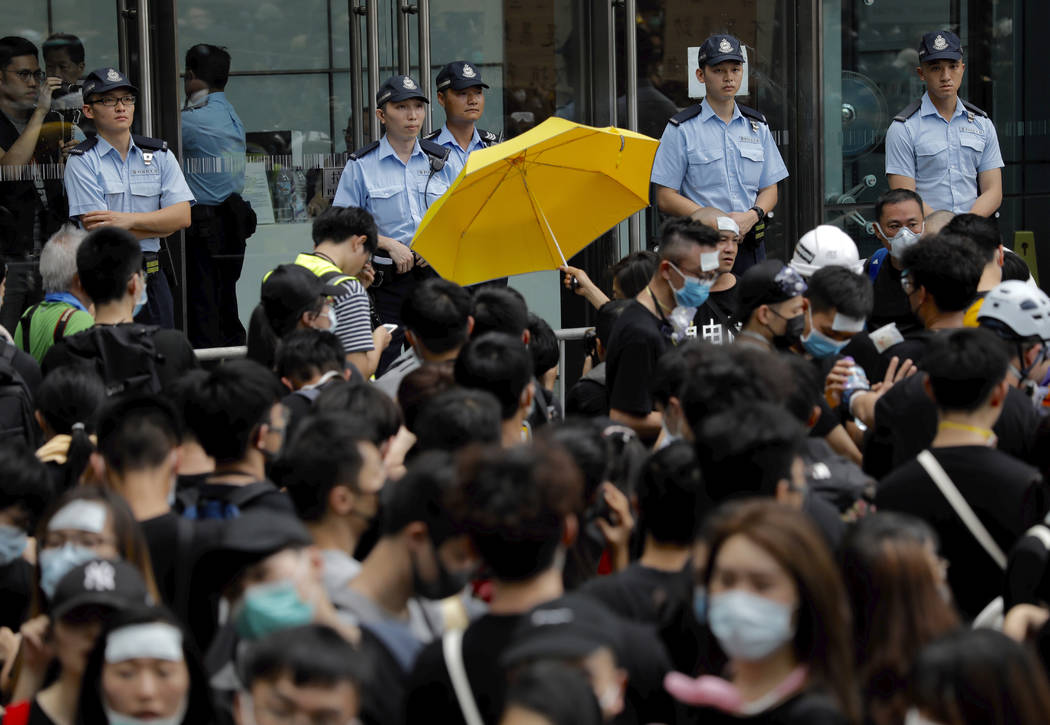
(173, 186)
(773, 170)
(82, 187)
(671, 162)
(351, 189)
(992, 158)
(900, 155)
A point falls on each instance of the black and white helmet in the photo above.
(824, 246)
(1018, 310)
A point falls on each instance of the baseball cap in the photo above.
(767, 283)
(568, 628)
(101, 80)
(290, 289)
(399, 88)
(102, 583)
(719, 48)
(245, 540)
(459, 74)
(940, 44)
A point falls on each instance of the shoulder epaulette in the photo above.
(364, 151)
(974, 109)
(683, 116)
(432, 135)
(908, 111)
(84, 146)
(434, 149)
(752, 114)
(488, 137)
(150, 144)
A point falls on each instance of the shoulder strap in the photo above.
(487, 137)
(364, 150)
(684, 115)
(452, 648)
(961, 507)
(150, 144)
(25, 325)
(974, 109)
(84, 146)
(435, 150)
(432, 135)
(333, 276)
(60, 326)
(1041, 532)
(751, 113)
(875, 263)
(908, 111)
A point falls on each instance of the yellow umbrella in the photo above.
(530, 203)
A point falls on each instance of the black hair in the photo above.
(210, 63)
(678, 234)
(963, 366)
(262, 339)
(807, 388)
(24, 482)
(420, 386)
(896, 196)
(137, 432)
(68, 395)
(337, 224)
(839, 288)
(106, 260)
(946, 266)
(322, 454)
(304, 354)
(498, 363)
(437, 312)
(13, 46)
(557, 691)
(422, 494)
(90, 709)
(498, 309)
(456, 418)
(229, 405)
(982, 231)
(670, 495)
(367, 403)
(65, 41)
(634, 271)
(723, 378)
(608, 314)
(513, 505)
(311, 655)
(672, 370)
(584, 442)
(543, 345)
(179, 392)
(1014, 267)
(746, 451)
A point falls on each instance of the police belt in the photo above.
(151, 262)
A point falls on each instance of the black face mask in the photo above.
(793, 329)
(446, 585)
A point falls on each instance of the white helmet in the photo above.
(825, 246)
(1022, 310)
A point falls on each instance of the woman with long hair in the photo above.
(67, 401)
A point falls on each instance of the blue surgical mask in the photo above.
(56, 562)
(700, 604)
(12, 543)
(820, 345)
(749, 627)
(694, 292)
(143, 298)
(272, 607)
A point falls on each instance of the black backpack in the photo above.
(125, 356)
(196, 507)
(16, 402)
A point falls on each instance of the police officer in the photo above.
(213, 145)
(718, 158)
(129, 181)
(395, 179)
(460, 91)
(942, 146)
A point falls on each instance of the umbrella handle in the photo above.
(539, 209)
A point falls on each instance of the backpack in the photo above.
(16, 402)
(125, 356)
(204, 508)
(56, 334)
(875, 263)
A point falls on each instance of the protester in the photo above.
(589, 396)
(308, 362)
(550, 693)
(25, 493)
(456, 418)
(500, 364)
(67, 403)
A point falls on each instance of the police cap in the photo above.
(101, 80)
(939, 45)
(719, 48)
(399, 88)
(459, 74)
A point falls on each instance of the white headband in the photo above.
(155, 640)
(708, 261)
(80, 515)
(847, 324)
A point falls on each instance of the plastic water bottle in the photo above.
(284, 184)
(299, 213)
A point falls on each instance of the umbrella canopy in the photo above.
(530, 203)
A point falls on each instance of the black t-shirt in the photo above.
(16, 583)
(806, 708)
(1007, 495)
(891, 304)
(162, 535)
(906, 422)
(589, 396)
(176, 355)
(716, 320)
(430, 694)
(635, 345)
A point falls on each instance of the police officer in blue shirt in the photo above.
(128, 181)
(460, 91)
(718, 158)
(396, 179)
(942, 146)
(213, 146)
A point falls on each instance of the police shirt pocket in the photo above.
(386, 203)
(705, 166)
(972, 145)
(752, 157)
(148, 186)
(432, 190)
(931, 157)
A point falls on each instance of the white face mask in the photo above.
(331, 318)
(116, 718)
(902, 240)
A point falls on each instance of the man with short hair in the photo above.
(457, 418)
(66, 309)
(461, 93)
(308, 362)
(715, 320)
(500, 364)
(984, 233)
(898, 225)
(771, 306)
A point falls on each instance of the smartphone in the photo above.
(390, 327)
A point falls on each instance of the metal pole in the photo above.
(634, 224)
(145, 102)
(404, 58)
(355, 75)
(424, 57)
(372, 30)
(122, 35)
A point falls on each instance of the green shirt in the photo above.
(43, 324)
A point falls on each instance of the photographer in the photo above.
(64, 59)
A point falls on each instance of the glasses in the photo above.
(111, 101)
(25, 75)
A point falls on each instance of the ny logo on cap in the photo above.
(112, 75)
(468, 72)
(725, 46)
(408, 83)
(939, 43)
(100, 576)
